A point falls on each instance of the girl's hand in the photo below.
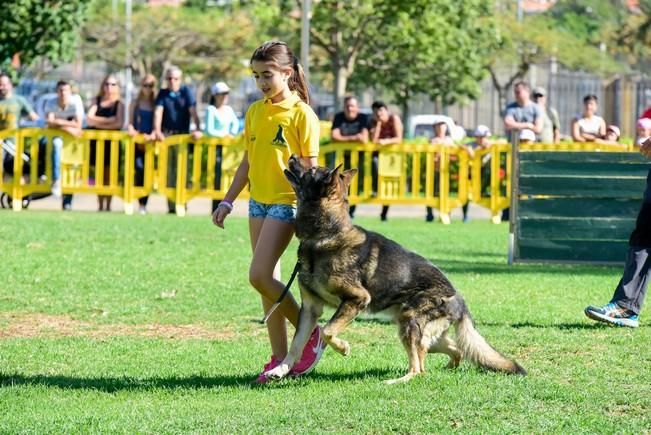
(220, 214)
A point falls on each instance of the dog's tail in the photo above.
(475, 348)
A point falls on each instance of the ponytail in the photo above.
(298, 83)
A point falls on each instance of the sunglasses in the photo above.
(173, 78)
(110, 84)
(148, 85)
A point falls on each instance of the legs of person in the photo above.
(139, 177)
(631, 290)
(269, 239)
(172, 157)
(57, 152)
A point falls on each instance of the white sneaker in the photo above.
(143, 210)
(56, 189)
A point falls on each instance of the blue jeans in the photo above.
(57, 151)
(281, 212)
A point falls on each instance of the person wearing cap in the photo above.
(220, 121)
(642, 130)
(550, 132)
(481, 134)
(611, 137)
(522, 113)
(588, 127)
(527, 136)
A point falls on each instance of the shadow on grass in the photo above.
(114, 384)
(561, 326)
(458, 266)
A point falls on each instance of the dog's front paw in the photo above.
(278, 372)
(341, 346)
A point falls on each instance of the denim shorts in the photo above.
(281, 212)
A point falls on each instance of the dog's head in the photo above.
(314, 185)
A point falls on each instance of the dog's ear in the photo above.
(333, 174)
(347, 176)
(291, 178)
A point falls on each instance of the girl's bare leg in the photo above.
(269, 239)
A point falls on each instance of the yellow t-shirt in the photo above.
(273, 132)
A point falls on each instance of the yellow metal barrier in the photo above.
(181, 168)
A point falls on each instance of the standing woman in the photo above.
(107, 113)
(141, 120)
(221, 121)
(279, 125)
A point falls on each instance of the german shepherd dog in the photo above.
(347, 267)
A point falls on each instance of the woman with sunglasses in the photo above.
(107, 113)
(141, 121)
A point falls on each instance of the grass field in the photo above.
(120, 324)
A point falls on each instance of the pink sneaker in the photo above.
(311, 354)
(262, 379)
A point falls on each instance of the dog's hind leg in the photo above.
(447, 346)
(412, 339)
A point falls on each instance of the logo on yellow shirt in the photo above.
(279, 140)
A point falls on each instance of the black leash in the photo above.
(283, 294)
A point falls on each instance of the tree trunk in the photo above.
(341, 80)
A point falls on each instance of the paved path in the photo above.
(202, 207)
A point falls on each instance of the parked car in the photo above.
(423, 126)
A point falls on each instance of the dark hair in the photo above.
(589, 98)
(347, 98)
(62, 83)
(377, 105)
(521, 83)
(279, 53)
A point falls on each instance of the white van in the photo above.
(423, 126)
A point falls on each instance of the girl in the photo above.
(107, 113)
(275, 127)
(141, 120)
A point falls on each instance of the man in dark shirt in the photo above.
(351, 126)
(175, 108)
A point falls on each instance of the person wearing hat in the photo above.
(550, 132)
(220, 121)
(482, 142)
(643, 130)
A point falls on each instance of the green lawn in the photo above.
(111, 323)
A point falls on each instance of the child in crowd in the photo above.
(643, 130)
(279, 125)
(141, 120)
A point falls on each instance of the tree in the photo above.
(538, 39)
(634, 36)
(437, 48)
(204, 43)
(34, 29)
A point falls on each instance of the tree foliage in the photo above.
(437, 48)
(34, 29)
(207, 44)
(634, 37)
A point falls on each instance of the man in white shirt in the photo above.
(66, 113)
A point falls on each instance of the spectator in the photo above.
(141, 121)
(67, 114)
(522, 113)
(611, 137)
(481, 134)
(12, 108)
(628, 298)
(106, 113)
(175, 108)
(351, 126)
(642, 130)
(386, 129)
(588, 127)
(221, 121)
(440, 138)
(527, 136)
(550, 132)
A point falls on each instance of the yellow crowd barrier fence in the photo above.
(181, 168)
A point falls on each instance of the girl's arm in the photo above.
(311, 162)
(576, 132)
(240, 181)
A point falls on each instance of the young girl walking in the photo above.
(279, 125)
